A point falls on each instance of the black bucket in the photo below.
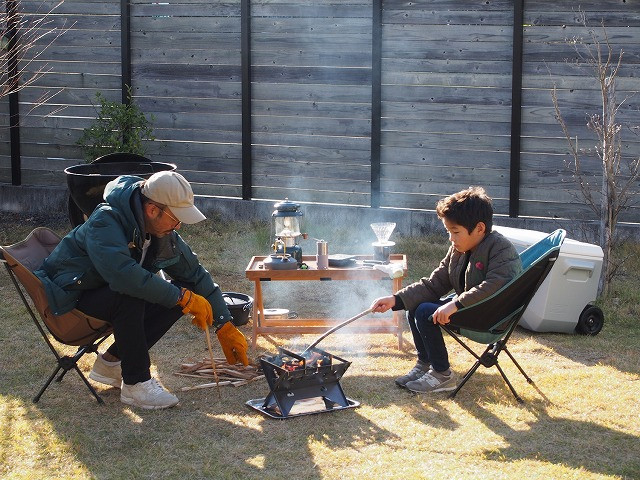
(239, 306)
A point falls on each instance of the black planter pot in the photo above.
(86, 182)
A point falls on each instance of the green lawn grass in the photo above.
(580, 423)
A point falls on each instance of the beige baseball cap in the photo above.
(172, 189)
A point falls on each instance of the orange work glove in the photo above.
(233, 344)
(198, 306)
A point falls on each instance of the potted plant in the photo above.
(119, 127)
(114, 145)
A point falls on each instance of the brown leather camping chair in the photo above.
(73, 328)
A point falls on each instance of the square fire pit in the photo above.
(302, 384)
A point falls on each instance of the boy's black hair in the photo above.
(467, 208)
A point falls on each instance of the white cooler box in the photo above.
(562, 303)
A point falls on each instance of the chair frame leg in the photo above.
(47, 383)
(466, 377)
(506, 380)
(67, 363)
(506, 350)
(489, 358)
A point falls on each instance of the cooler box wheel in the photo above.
(590, 321)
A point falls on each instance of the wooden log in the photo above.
(204, 385)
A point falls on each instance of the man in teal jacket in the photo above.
(107, 267)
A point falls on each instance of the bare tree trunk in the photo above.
(608, 191)
(617, 188)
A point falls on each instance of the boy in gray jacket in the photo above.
(479, 262)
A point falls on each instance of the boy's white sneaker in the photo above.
(150, 395)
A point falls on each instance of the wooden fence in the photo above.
(383, 103)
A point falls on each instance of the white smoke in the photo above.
(337, 300)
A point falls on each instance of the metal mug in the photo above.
(322, 256)
(382, 251)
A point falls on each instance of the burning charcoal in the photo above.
(291, 364)
(317, 359)
(324, 361)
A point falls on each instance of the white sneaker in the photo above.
(109, 373)
(150, 395)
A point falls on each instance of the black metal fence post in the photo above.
(516, 109)
(125, 49)
(13, 79)
(245, 65)
(376, 100)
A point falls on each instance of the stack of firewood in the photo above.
(234, 375)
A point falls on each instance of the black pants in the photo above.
(137, 326)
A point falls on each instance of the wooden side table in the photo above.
(256, 272)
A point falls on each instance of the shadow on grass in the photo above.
(204, 437)
(201, 438)
(208, 437)
(615, 345)
(575, 443)
(548, 438)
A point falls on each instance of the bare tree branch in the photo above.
(23, 39)
(620, 175)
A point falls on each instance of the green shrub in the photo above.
(118, 128)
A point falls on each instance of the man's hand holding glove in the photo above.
(232, 341)
(198, 306)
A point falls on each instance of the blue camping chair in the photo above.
(492, 321)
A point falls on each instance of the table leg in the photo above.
(397, 285)
(258, 309)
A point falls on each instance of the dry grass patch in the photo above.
(581, 423)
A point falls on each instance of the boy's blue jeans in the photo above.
(427, 336)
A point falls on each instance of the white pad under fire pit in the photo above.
(307, 406)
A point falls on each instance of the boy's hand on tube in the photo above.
(383, 304)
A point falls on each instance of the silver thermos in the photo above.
(322, 257)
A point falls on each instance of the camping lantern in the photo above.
(286, 219)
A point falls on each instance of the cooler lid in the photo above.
(521, 237)
(574, 247)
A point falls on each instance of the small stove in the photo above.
(302, 384)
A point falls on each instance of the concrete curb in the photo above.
(51, 199)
